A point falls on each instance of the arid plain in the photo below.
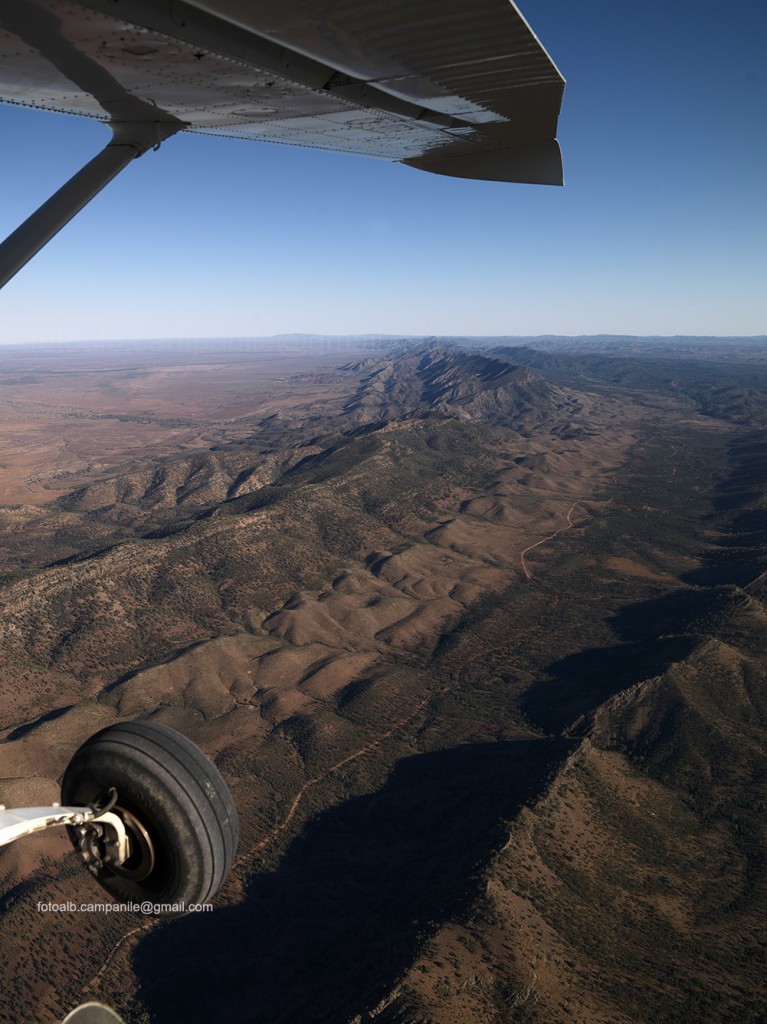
(475, 636)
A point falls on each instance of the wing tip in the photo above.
(538, 163)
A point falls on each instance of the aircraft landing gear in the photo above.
(149, 815)
(178, 818)
(151, 818)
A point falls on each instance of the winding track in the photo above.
(570, 525)
(551, 536)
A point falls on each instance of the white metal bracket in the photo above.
(24, 821)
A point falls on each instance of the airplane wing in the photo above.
(459, 87)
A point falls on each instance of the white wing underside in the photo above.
(458, 87)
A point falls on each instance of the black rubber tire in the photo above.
(177, 794)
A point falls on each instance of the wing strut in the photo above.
(128, 142)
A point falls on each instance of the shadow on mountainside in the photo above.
(740, 554)
(652, 635)
(330, 931)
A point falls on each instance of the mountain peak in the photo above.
(453, 381)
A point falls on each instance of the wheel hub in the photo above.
(119, 841)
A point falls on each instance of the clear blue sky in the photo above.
(660, 228)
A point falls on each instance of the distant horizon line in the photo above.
(373, 337)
